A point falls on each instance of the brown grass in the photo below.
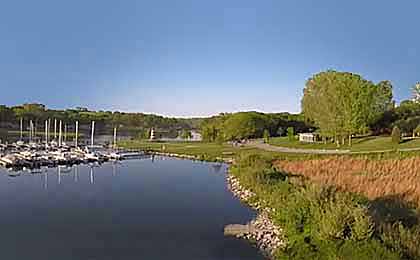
(373, 178)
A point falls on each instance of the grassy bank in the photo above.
(323, 222)
(208, 151)
(213, 151)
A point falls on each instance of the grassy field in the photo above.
(207, 151)
(371, 143)
(321, 222)
(210, 151)
(213, 151)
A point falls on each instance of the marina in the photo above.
(35, 154)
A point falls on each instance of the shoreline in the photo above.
(193, 157)
(261, 231)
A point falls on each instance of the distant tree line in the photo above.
(136, 124)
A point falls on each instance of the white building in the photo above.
(308, 137)
(152, 134)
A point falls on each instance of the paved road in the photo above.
(273, 148)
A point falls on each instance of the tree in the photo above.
(343, 104)
(416, 92)
(266, 136)
(186, 134)
(416, 131)
(244, 125)
(281, 131)
(291, 133)
(396, 135)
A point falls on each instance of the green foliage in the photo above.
(281, 131)
(318, 222)
(416, 131)
(266, 136)
(416, 92)
(131, 123)
(342, 103)
(245, 125)
(396, 135)
(143, 134)
(186, 134)
(402, 239)
(291, 133)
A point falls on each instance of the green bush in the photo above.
(402, 239)
(416, 131)
(291, 133)
(318, 222)
(396, 135)
(266, 136)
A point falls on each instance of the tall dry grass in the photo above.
(373, 178)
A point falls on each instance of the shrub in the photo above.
(291, 133)
(416, 131)
(318, 221)
(266, 136)
(396, 135)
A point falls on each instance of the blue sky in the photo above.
(198, 58)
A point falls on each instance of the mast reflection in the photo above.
(92, 180)
(76, 173)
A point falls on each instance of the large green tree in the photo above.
(343, 104)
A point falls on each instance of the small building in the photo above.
(152, 134)
(196, 136)
(308, 137)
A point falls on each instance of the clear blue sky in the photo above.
(197, 57)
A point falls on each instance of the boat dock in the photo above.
(52, 153)
(31, 156)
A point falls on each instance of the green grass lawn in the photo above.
(362, 144)
(208, 151)
(211, 150)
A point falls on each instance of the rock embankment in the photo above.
(193, 157)
(261, 231)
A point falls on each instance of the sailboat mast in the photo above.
(55, 129)
(77, 133)
(21, 128)
(60, 135)
(93, 133)
(115, 137)
(46, 133)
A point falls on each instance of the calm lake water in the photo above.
(140, 209)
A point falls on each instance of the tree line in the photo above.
(248, 125)
(137, 124)
(337, 105)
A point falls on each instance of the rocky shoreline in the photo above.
(261, 231)
(192, 157)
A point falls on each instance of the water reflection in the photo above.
(76, 173)
(45, 180)
(91, 175)
(145, 210)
